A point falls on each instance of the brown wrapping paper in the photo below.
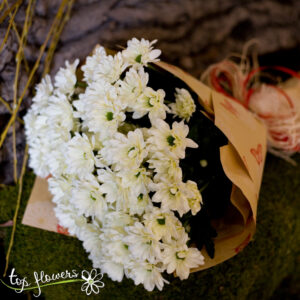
(242, 160)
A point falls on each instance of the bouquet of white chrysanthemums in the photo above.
(114, 162)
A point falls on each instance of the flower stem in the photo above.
(81, 84)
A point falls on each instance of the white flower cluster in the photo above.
(117, 186)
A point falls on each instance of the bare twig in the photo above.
(10, 110)
(18, 66)
(18, 35)
(9, 10)
(17, 208)
(55, 39)
(12, 16)
(42, 50)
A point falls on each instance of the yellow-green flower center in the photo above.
(109, 116)
(161, 221)
(171, 140)
(138, 59)
(180, 255)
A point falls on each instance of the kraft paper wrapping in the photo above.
(242, 160)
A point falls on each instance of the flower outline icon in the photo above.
(92, 282)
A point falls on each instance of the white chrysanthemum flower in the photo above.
(142, 244)
(151, 102)
(32, 128)
(148, 274)
(47, 146)
(180, 258)
(113, 190)
(180, 236)
(65, 79)
(59, 112)
(108, 67)
(194, 198)
(89, 235)
(118, 220)
(125, 152)
(114, 245)
(111, 68)
(60, 187)
(36, 134)
(137, 179)
(172, 196)
(35, 127)
(43, 91)
(37, 158)
(139, 203)
(140, 52)
(100, 109)
(79, 156)
(69, 218)
(98, 143)
(132, 86)
(56, 158)
(88, 199)
(92, 63)
(162, 224)
(184, 105)
(172, 141)
(113, 270)
(166, 167)
(49, 132)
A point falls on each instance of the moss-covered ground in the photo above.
(255, 273)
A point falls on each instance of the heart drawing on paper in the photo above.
(228, 106)
(257, 153)
(62, 230)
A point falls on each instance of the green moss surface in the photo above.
(255, 273)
